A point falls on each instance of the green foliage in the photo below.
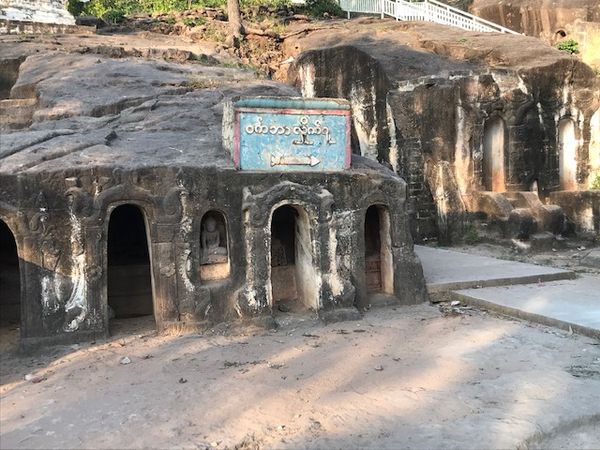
(471, 235)
(114, 16)
(596, 183)
(320, 8)
(100, 8)
(570, 46)
(266, 3)
(75, 7)
(193, 21)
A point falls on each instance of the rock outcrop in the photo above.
(85, 135)
(550, 20)
(427, 99)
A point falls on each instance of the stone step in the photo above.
(448, 270)
(572, 305)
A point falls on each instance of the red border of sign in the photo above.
(329, 112)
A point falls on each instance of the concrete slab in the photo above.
(449, 270)
(568, 304)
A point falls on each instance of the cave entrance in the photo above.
(379, 268)
(567, 155)
(129, 273)
(9, 73)
(493, 155)
(10, 289)
(293, 277)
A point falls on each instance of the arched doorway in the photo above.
(129, 274)
(294, 284)
(567, 155)
(10, 289)
(493, 155)
(379, 266)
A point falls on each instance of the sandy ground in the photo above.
(407, 377)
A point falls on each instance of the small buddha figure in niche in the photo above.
(212, 251)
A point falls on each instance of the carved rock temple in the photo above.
(481, 130)
(195, 207)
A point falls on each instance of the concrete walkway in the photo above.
(545, 295)
(568, 304)
(449, 270)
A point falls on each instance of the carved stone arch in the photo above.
(14, 221)
(146, 209)
(301, 264)
(115, 196)
(260, 205)
(377, 246)
(12, 262)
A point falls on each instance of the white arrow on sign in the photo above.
(278, 160)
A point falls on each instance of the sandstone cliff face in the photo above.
(424, 95)
(550, 20)
(543, 18)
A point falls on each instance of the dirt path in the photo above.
(401, 378)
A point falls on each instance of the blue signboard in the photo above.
(291, 134)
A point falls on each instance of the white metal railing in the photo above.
(425, 10)
(362, 6)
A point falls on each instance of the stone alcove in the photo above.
(567, 154)
(214, 247)
(494, 150)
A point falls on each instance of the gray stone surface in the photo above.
(106, 112)
(447, 270)
(573, 304)
(42, 11)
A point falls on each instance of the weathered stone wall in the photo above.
(60, 224)
(445, 118)
(540, 18)
(550, 20)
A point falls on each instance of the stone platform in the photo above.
(567, 304)
(545, 295)
(449, 270)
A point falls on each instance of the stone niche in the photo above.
(214, 259)
(194, 240)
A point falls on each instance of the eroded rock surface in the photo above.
(424, 96)
(87, 131)
(96, 110)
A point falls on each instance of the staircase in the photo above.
(424, 11)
